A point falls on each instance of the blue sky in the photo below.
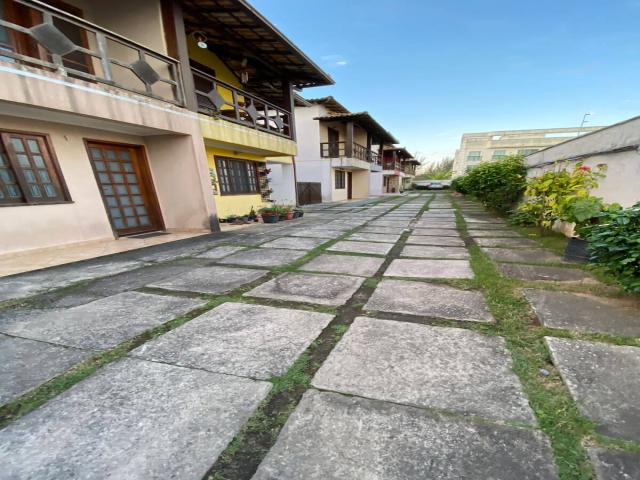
(431, 70)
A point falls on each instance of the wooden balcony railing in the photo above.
(391, 165)
(341, 150)
(58, 41)
(219, 99)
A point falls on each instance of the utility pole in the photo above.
(584, 120)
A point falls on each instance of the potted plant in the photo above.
(270, 214)
(298, 212)
(253, 216)
(583, 212)
(286, 212)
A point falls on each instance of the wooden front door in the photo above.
(349, 185)
(126, 187)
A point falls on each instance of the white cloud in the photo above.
(335, 60)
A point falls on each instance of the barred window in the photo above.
(237, 176)
(340, 179)
(29, 173)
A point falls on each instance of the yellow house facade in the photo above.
(245, 111)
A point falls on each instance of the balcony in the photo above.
(391, 165)
(220, 100)
(350, 155)
(45, 37)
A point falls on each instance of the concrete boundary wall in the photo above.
(617, 147)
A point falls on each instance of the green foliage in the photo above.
(441, 170)
(582, 211)
(458, 184)
(523, 218)
(562, 195)
(275, 210)
(498, 185)
(614, 243)
(272, 210)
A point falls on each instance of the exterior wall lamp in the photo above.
(201, 39)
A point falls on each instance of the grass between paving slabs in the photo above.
(243, 455)
(557, 243)
(41, 394)
(558, 415)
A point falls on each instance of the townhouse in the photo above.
(119, 118)
(398, 169)
(339, 152)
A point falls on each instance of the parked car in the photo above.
(431, 184)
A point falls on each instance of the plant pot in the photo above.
(296, 214)
(270, 218)
(576, 250)
(288, 216)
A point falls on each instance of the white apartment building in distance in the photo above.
(488, 146)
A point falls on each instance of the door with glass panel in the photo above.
(126, 187)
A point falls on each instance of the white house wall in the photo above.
(622, 182)
(375, 183)
(282, 182)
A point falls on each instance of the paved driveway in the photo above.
(362, 326)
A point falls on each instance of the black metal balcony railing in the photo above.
(339, 150)
(219, 99)
(58, 41)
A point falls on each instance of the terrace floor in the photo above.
(407, 337)
(13, 263)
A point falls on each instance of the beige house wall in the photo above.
(26, 227)
(142, 22)
(360, 184)
(338, 194)
(71, 110)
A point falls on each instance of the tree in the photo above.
(440, 170)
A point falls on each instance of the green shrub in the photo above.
(457, 184)
(498, 185)
(582, 212)
(614, 243)
(523, 218)
(562, 195)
